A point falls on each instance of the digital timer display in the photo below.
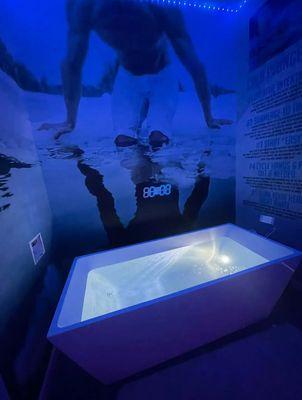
(154, 191)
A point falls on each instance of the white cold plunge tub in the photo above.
(130, 308)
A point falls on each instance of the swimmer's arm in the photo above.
(196, 200)
(174, 25)
(77, 47)
(71, 69)
(105, 201)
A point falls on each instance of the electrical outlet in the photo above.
(37, 248)
(267, 219)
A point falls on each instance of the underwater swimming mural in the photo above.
(147, 84)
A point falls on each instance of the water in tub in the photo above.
(135, 281)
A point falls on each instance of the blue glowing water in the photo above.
(125, 284)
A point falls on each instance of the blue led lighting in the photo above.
(211, 6)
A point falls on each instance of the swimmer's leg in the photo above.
(127, 100)
(162, 106)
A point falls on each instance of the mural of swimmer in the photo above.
(145, 90)
(158, 212)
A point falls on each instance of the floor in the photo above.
(261, 362)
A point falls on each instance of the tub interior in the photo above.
(118, 286)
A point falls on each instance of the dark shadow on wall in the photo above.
(6, 165)
(24, 347)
